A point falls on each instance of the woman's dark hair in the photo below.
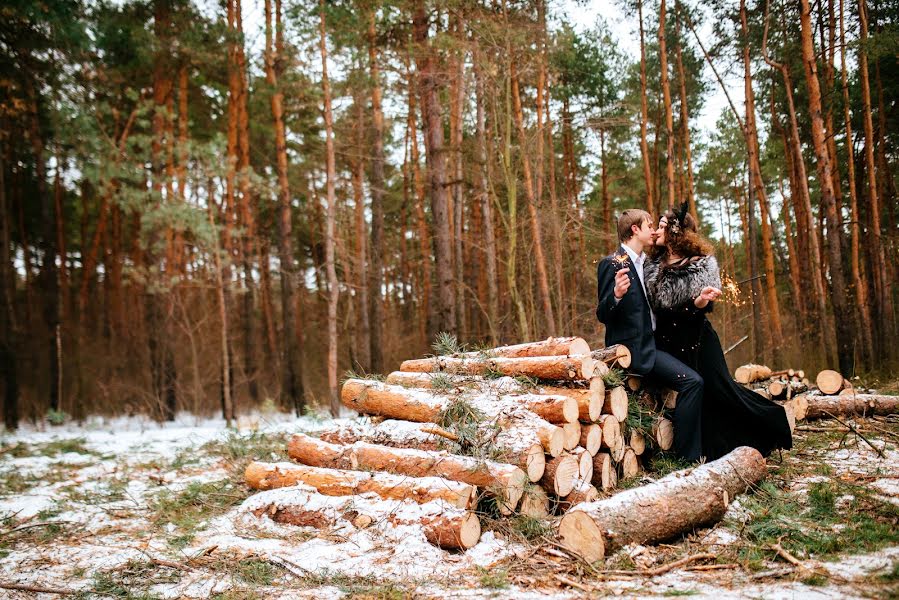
(682, 235)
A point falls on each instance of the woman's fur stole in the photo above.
(673, 287)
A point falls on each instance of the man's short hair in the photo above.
(629, 218)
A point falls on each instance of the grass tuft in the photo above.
(446, 344)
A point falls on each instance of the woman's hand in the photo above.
(708, 294)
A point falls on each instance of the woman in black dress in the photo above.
(682, 281)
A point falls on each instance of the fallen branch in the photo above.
(661, 570)
(37, 589)
(858, 433)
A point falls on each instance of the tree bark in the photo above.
(291, 376)
(842, 315)
(426, 58)
(376, 306)
(684, 115)
(331, 219)
(689, 500)
(484, 200)
(644, 116)
(666, 98)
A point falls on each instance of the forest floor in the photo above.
(127, 508)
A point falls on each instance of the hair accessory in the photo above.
(677, 221)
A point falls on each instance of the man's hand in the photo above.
(622, 283)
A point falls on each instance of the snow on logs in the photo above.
(562, 368)
(514, 445)
(553, 346)
(685, 500)
(443, 525)
(821, 407)
(336, 482)
(504, 481)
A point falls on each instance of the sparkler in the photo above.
(730, 291)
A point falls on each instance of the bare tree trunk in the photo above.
(684, 115)
(456, 101)
(669, 118)
(361, 344)
(9, 326)
(539, 258)
(644, 116)
(774, 332)
(433, 128)
(805, 224)
(425, 320)
(330, 230)
(291, 377)
(842, 314)
(879, 267)
(484, 200)
(376, 307)
(859, 284)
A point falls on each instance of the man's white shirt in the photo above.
(638, 262)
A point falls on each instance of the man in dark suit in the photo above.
(625, 311)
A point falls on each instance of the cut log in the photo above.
(663, 432)
(583, 491)
(534, 503)
(630, 464)
(504, 481)
(554, 346)
(637, 442)
(829, 382)
(800, 406)
(393, 401)
(335, 482)
(316, 453)
(615, 403)
(518, 442)
(591, 438)
(444, 526)
(617, 355)
(676, 504)
(611, 431)
(857, 405)
(562, 368)
(791, 415)
(785, 388)
(634, 382)
(430, 381)
(669, 399)
(555, 409)
(604, 475)
(588, 401)
(572, 433)
(585, 463)
(561, 474)
(750, 373)
(617, 451)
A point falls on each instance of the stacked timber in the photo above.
(534, 428)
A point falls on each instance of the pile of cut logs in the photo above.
(532, 429)
(830, 395)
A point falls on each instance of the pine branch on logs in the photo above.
(688, 499)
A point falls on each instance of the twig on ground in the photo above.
(661, 570)
(858, 433)
(713, 567)
(787, 556)
(37, 589)
(575, 584)
(33, 525)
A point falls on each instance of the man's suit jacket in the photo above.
(627, 321)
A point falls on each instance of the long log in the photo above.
(505, 480)
(751, 373)
(615, 403)
(679, 502)
(397, 402)
(444, 525)
(518, 443)
(858, 405)
(554, 409)
(617, 355)
(589, 400)
(553, 346)
(561, 474)
(335, 482)
(562, 368)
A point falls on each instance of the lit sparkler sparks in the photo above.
(730, 291)
(622, 260)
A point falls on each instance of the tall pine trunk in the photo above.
(644, 116)
(376, 306)
(666, 99)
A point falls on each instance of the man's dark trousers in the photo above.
(628, 322)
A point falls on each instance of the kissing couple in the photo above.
(656, 306)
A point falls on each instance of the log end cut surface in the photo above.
(581, 535)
